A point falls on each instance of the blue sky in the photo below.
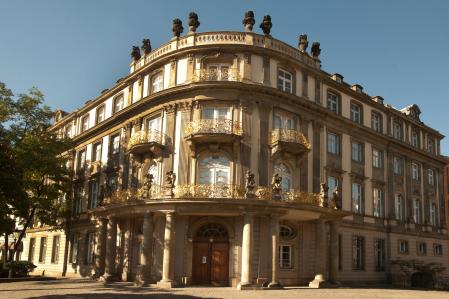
(71, 50)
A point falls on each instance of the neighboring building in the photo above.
(446, 189)
(210, 107)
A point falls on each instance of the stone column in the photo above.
(321, 255)
(334, 252)
(167, 280)
(101, 247)
(246, 252)
(147, 246)
(111, 250)
(274, 228)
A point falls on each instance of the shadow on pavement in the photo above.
(117, 296)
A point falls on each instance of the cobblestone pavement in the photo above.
(77, 288)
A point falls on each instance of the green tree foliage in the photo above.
(34, 179)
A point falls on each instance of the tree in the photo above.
(35, 161)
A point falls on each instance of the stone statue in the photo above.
(170, 178)
(337, 199)
(146, 46)
(276, 186)
(193, 22)
(315, 50)
(250, 184)
(147, 183)
(135, 53)
(303, 43)
(324, 195)
(266, 25)
(107, 189)
(177, 27)
(249, 21)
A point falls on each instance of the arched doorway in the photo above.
(210, 262)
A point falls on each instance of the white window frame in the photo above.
(357, 198)
(398, 209)
(288, 262)
(214, 172)
(397, 165)
(333, 102)
(332, 184)
(90, 254)
(378, 206)
(157, 82)
(75, 248)
(216, 112)
(433, 214)
(101, 113)
(431, 176)
(357, 152)
(93, 194)
(415, 171)
(397, 131)
(115, 144)
(284, 83)
(376, 122)
(356, 113)
(403, 247)
(118, 105)
(415, 139)
(96, 151)
(221, 73)
(417, 211)
(85, 123)
(333, 143)
(377, 158)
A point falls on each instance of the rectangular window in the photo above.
(31, 249)
(379, 254)
(333, 103)
(433, 214)
(115, 144)
(68, 131)
(85, 123)
(75, 243)
(397, 166)
(118, 103)
(431, 145)
(358, 253)
(437, 249)
(285, 257)
(378, 205)
(415, 171)
(431, 177)
(398, 208)
(421, 248)
(101, 110)
(417, 211)
(397, 130)
(283, 122)
(43, 250)
(93, 194)
(218, 72)
(81, 160)
(78, 201)
(415, 139)
(157, 82)
(285, 80)
(90, 248)
(356, 113)
(96, 152)
(403, 246)
(333, 143)
(357, 150)
(55, 250)
(376, 122)
(332, 184)
(356, 198)
(216, 113)
(377, 159)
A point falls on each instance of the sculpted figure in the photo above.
(177, 27)
(266, 25)
(315, 50)
(249, 21)
(276, 186)
(250, 184)
(146, 46)
(135, 53)
(303, 43)
(147, 183)
(324, 195)
(193, 21)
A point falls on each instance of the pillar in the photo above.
(274, 229)
(321, 255)
(101, 247)
(147, 246)
(334, 252)
(111, 250)
(167, 280)
(246, 251)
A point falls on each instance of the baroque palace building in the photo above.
(233, 159)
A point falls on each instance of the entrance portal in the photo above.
(211, 256)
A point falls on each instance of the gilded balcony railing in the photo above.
(149, 136)
(214, 126)
(213, 74)
(207, 192)
(288, 135)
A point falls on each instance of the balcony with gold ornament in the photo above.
(150, 141)
(216, 74)
(289, 141)
(213, 132)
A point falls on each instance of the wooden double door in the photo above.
(210, 264)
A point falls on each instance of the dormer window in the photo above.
(118, 103)
(84, 123)
(285, 80)
(157, 82)
(100, 114)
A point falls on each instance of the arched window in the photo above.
(214, 170)
(284, 171)
(212, 230)
(286, 232)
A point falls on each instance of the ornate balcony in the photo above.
(150, 141)
(289, 141)
(228, 74)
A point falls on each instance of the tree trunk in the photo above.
(5, 251)
(67, 244)
(22, 232)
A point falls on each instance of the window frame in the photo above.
(417, 211)
(358, 253)
(42, 249)
(152, 82)
(337, 144)
(281, 78)
(380, 199)
(421, 248)
(359, 199)
(358, 119)
(92, 199)
(415, 171)
(334, 101)
(415, 142)
(379, 254)
(56, 247)
(97, 114)
(95, 151)
(398, 166)
(114, 103)
(357, 153)
(398, 130)
(430, 177)
(290, 265)
(378, 129)
(437, 249)
(32, 249)
(403, 247)
(378, 159)
(84, 123)
(399, 207)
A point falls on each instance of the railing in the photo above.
(214, 126)
(205, 192)
(228, 74)
(287, 135)
(149, 136)
(225, 37)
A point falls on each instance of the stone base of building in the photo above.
(166, 284)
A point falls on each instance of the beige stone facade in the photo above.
(210, 107)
